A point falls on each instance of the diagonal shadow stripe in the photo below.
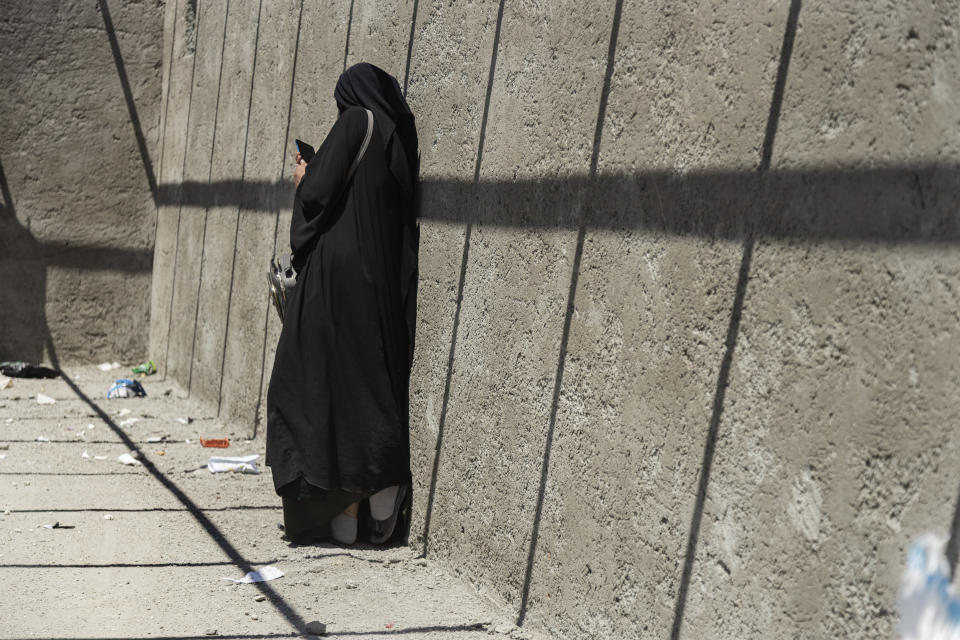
(464, 260)
(953, 543)
(346, 47)
(219, 636)
(568, 319)
(733, 331)
(413, 28)
(149, 509)
(278, 602)
(131, 565)
(128, 97)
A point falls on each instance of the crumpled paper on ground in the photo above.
(929, 604)
(267, 573)
(239, 464)
(126, 458)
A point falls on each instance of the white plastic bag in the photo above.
(241, 464)
(929, 604)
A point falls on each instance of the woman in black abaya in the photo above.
(337, 404)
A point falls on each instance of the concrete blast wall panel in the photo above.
(687, 346)
(79, 115)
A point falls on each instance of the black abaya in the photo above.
(337, 404)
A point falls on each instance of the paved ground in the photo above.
(140, 550)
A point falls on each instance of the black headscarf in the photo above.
(365, 85)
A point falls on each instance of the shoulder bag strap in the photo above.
(363, 147)
(356, 161)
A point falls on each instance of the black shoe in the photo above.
(383, 531)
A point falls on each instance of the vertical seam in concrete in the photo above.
(733, 329)
(413, 28)
(206, 210)
(183, 168)
(460, 286)
(346, 48)
(276, 219)
(166, 120)
(568, 316)
(236, 228)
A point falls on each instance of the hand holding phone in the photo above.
(306, 151)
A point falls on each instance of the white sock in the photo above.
(381, 503)
(343, 528)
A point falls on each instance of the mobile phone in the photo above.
(306, 151)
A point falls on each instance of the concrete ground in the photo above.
(140, 551)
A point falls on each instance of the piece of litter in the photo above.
(129, 421)
(9, 420)
(26, 370)
(85, 455)
(267, 573)
(126, 458)
(242, 464)
(108, 517)
(928, 602)
(210, 632)
(99, 457)
(389, 625)
(123, 412)
(5, 382)
(147, 368)
(108, 366)
(187, 440)
(43, 439)
(3, 456)
(44, 399)
(90, 426)
(57, 525)
(156, 439)
(215, 443)
(6, 512)
(316, 628)
(125, 388)
(184, 420)
(259, 598)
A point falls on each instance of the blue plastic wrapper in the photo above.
(125, 388)
(929, 603)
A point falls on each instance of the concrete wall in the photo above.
(687, 342)
(78, 129)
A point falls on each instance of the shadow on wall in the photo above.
(893, 205)
(24, 261)
(24, 290)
